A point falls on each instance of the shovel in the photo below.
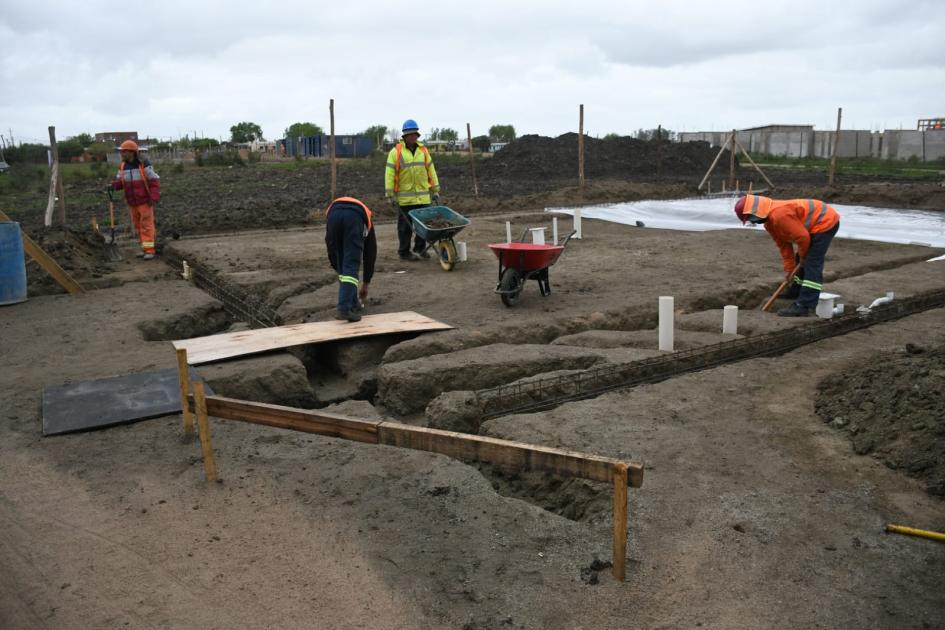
(783, 286)
(111, 248)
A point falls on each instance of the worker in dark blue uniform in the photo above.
(350, 237)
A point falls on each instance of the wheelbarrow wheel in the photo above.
(447, 253)
(511, 281)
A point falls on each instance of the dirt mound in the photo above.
(894, 409)
(80, 252)
(539, 157)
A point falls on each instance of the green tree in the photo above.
(612, 136)
(303, 130)
(651, 134)
(245, 132)
(377, 133)
(502, 133)
(450, 135)
(434, 134)
(481, 143)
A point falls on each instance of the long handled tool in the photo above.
(781, 288)
(111, 248)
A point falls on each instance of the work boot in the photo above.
(148, 256)
(350, 316)
(424, 254)
(411, 257)
(794, 310)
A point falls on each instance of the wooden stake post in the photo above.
(506, 454)
(472, 159)
(334, 166)
(55, 182)
(581, 147)
(203, 425)
(836, 143)
(731, 162)
(183, 375)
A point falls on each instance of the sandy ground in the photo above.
(753, 514)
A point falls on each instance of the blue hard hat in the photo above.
(410, 125)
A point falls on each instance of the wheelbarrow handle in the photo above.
(568, 238)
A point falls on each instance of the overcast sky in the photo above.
(171, 68)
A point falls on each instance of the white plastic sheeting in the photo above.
(918, 227)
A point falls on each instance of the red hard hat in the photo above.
(740, 209)
(129, 145)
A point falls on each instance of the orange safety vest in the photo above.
(397, 162)
(367, 211)
(816, 215)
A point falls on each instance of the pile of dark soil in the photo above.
(894, 409)
(79, 252)
(439, 223)
(539, 157)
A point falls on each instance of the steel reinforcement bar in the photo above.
(236, 300)
(550, 392)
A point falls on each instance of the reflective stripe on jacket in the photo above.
(792, 221)
(410, 176)
(139, 181)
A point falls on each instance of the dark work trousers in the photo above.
(346, 238)
(812, 275)
(404, 231)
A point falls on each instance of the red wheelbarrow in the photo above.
(522, 261)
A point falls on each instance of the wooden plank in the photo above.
(183, 376)
(304, 420)
(46, 262)
(203, 425)
(505, 453)
(752, 162)
(620, 521)
(228, 345)
(712, 166)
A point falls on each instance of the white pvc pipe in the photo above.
(538, 235)
(577, 223)
(666, 323)
(461, 251)
(883, 300)
(730, 320)
(508, 231)
(554, 230)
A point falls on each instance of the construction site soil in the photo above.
(757, 510)
(893, 408)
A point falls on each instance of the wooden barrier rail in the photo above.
(506, 454)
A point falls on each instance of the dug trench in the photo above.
(422, 379)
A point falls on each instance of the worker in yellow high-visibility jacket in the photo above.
(410, 182)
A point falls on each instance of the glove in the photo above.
(363, 291)
(436, 198)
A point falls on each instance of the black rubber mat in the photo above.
(110, 401)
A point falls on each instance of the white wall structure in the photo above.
(802, 143)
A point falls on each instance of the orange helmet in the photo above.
(740, 209)
(128, 145)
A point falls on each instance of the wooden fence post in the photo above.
(836, 142)
(581, 147)
(731, 162)
(334, 171)
(472, 159)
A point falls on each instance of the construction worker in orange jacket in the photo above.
(802, 230)
(142, 188)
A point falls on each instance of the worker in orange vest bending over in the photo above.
(142, 188)
(350, 238)
(410, 182)
(806, 224)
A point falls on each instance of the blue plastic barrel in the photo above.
(12, 264)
